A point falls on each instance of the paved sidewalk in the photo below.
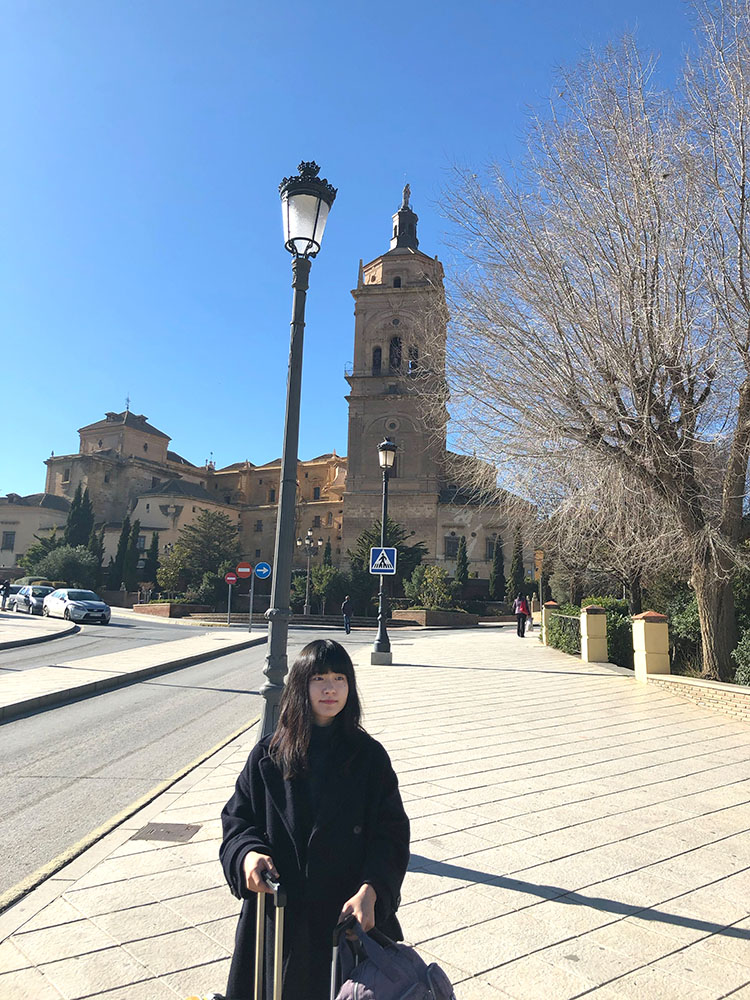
(573, 834)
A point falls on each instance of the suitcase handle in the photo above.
(279, 893)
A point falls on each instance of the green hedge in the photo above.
(561, 633)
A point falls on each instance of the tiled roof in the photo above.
(136, 420)
(47, 500)
(180, 488)
(172, 456)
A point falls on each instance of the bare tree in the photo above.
(601, 308)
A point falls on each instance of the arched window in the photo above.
(397, 282)
(413, 359)
(377, 360)
(394, 356)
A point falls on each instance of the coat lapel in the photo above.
(285, 801)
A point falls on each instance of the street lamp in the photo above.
(311, 548)
(382, 648)
(305, 202)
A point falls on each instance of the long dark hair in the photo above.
(291, 739)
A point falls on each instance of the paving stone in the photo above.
(78, 937)
(11, 958)
(28, 984)
(137, 922)
(95, 973)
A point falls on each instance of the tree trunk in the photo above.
(576, 591)
(635, 601)
(713, 591)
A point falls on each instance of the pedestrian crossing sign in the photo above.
(382, 561)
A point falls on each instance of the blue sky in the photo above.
(143, 143)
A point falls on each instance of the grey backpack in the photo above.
(375, 968)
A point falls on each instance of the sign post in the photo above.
(230, 578)
(245, 570)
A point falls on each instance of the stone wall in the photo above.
(729, 699)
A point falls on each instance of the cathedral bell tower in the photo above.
(396, 384)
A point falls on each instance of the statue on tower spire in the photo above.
(407, 195)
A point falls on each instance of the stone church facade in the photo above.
(396, 390)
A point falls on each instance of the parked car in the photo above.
(31, 598)
(76, 606)
(11, 601)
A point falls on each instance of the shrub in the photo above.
(741, 656)
(563, 634)
(619, 629)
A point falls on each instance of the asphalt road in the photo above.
(68, 770)
(123, 632)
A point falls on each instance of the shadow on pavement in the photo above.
(559, 895)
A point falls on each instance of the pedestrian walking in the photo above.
(346, 611)
(521, 611)
(317, 805)
(4, 591)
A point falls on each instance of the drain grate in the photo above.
(178, 832)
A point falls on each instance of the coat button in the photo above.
(357, 829)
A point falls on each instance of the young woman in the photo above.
(318, 805)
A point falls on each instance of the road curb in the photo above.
(15, 643)
(33, 881)
(53, 698)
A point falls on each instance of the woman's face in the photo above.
(328, 694)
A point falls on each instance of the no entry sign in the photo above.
(244, 570)
(230, 578)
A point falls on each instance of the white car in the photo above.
(76, 606)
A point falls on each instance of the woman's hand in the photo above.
(253, 866)
(361, 906)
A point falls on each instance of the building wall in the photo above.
(24, 523)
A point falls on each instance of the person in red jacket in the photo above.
(318, 806)
(521, 611)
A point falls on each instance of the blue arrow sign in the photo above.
(382, 561)
(262, 570)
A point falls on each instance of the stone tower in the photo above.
(399, 359)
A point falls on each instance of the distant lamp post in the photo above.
(311, 548)
(381, 650)
(305, 202)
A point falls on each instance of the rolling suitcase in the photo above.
(279, 900)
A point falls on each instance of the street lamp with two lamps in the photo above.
(305, 202)
(311, 548)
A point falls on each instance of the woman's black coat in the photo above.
(360, 834)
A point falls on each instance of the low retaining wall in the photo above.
(437, 619)
(170, 609)
(730, 699)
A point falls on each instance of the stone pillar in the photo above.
(650, 645)
(547, 610)
(594, 634)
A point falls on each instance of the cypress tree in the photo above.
(327, 557)
(96, 548)
(497, 573)
(72, 525)
(462, 563)
(152, 559)
(517, 573)
(132, 555)
(114, 576)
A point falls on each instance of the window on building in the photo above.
(100, 442)
(316, 521)
(9, 541)
(259, 526)
(307, 474)
(272, 496)
(451, 546)
(413, 359)
(141, 545)
(394, 355)
(216, 486)
(106, 477)
(260, 482)
(257, 553)
(397, 282)
(489, 547)
(145, 446)
(148, 506)
(316, 493)
(155, 481)
(329, 521)
(193, 509)
(66, 475)
(377, 360)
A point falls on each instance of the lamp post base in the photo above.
(381, 657)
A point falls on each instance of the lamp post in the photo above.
(305, 202)
(311, 548)
(381, 650)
